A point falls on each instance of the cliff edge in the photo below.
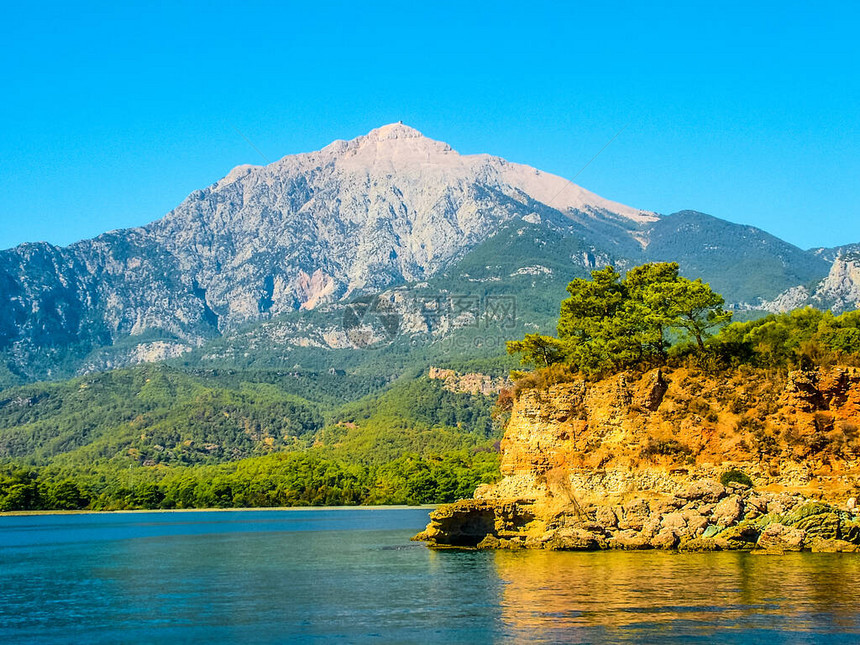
(673, 459)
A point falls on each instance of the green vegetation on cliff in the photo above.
(653, 316)
(609, 323)
(801, 338)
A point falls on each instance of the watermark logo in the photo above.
(371, 322)
(500, 311)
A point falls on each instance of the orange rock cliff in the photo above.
(635, 461)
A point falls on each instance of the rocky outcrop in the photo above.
(838, 291)
(468, 383)
(743, 519)
(143, 352)
(634, 462)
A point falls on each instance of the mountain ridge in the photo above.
(385, 209)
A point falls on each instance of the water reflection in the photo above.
(352, 576)
(636, 597)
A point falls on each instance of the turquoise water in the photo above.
(352, 576)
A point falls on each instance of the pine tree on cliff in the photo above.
(609, 323)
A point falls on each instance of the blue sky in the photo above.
(113, 113)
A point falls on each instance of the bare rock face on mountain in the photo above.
(389, 207)
(841, 288)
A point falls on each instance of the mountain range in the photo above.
(391, 234)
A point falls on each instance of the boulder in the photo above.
(489, 542)
(705, 509)
(706, 490)
(825, 526)
(739, 537)
(493, 542)
(573, 540)
(806, 510)
(629, 540)
(776, 507)
(665, 539)
(728, 511)
(674, 521)
(850, 531)
(634, 514)
(778, 537)
(782, 503)
(710, 531)
(754, 506)
(762, 521)
(668, 506)
(737, 487)
(833, 546)
(696, 522)
(651, 526)
(820, 521)
(534, 542)
(700, 544)
(606, 517)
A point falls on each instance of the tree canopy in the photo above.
(801, 338)
(610, 322)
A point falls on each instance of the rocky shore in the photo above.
(635, 462)
(707, 516)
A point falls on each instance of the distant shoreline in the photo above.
(221, 510)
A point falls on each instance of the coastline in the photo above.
(429, 507)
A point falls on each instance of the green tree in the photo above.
(610, 323)
(538, 350)
(696, 309)
(590, 302)
(596, 323)
(650, 301)
(65, 495)
(19, 491)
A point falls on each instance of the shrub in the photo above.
(850, 430)
(738, 405)
(823, 421)
(700, 407)
(506, 399)
(737, 476)
(749, 424)
(543, 378)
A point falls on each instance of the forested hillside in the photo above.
(159, 437)
(181, 436)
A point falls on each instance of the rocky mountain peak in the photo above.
(390, 148)
(397, 130)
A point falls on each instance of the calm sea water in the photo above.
(351, 575)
